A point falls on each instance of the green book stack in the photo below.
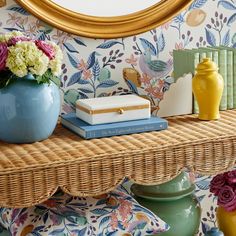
(185, 61)
(202, 54)
(234, 77)
(230, 79)
(213, 54)
(231, 70)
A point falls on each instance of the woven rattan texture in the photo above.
(31, 173)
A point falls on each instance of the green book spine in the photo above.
(196, 56)
(178, 63)
(202, 55)
(234, 78)
(230, 84)
(223, 72)
(222, 63)
(215, 57)
(209, 54)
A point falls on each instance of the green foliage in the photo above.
(47, 77)
(6, 78)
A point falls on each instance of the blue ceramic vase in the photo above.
(28, 111)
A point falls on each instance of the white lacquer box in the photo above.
(112, 109)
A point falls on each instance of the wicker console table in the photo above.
(31, 173)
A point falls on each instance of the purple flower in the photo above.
(3, 56)
(14, 40)
(217, 183)
(227, 198)
(46, 48)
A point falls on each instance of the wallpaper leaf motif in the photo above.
(160, 43)
(73, 60)
(74, 78)
(107, 84)
(227, 5)
(96, 70)
(231, 19)
(70, 48)
(18, 9)
(83, 81)
(210, 37)
(80, 41)
(108, 44)
(94, 67)
(179, 19)
(148, 46)
(226, 39)
(91, 60)
(197, 4)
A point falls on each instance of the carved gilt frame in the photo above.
(104, 27)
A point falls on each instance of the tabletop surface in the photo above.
(31, 173)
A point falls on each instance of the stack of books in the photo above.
(88, 131)
(186, 61)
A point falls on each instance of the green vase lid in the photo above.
(178, 187)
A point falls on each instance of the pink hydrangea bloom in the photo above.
(3, 56)
(46, 48)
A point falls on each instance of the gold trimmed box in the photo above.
(113, 109)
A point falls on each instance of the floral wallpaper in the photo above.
(140, 64)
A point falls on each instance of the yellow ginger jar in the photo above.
(226, 221)
(208, 87)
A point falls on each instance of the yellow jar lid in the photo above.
(207, 65)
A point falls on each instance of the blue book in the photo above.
(88, 131)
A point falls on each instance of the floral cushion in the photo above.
(116, 213)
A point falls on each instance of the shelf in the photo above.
(31, 173)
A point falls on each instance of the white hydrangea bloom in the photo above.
(26, 56)
(6, 37)
(56, 62)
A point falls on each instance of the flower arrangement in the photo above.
(223, 186)
(20, 56)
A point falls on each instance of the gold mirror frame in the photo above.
(104, 27)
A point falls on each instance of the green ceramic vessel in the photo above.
(174, 202)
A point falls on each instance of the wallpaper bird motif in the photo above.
(140, 64)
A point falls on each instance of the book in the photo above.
(222, 62)
(230, 85)
(231, 70)
(185, 61)
(213, 54)
(202, 54)
(234, 77)
(88, 131)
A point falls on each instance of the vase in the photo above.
(174, 202)
(28, 111)
(208, 87)
(226, 221)
(214, 232)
